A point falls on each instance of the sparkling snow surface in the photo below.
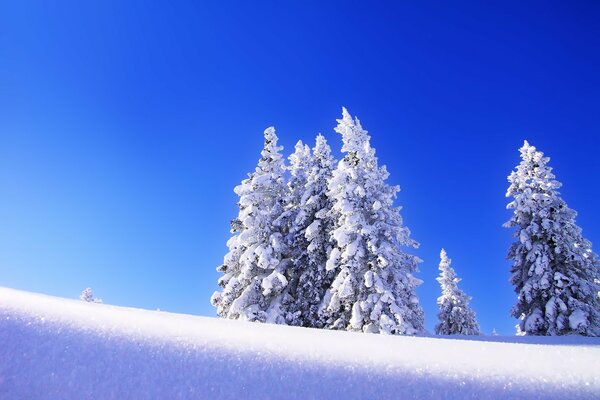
(52, 348)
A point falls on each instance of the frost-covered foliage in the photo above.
(555, 271)
(374, 289)
(299, 163)
(255, 268)
(311, 233)
(87, 295)
(455, 316)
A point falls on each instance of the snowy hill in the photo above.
(53, 348)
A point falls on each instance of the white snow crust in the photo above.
(53, 348)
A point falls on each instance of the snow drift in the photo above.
(52, 348)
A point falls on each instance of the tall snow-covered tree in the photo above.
(374, 286)
(312, 237)
(455, 316)
(299, 164)
(254, 270)
(87, 295)
(554, 270)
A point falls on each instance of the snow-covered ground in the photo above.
(53, 348)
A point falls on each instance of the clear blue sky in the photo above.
(124, 127)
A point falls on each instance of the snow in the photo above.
(53, 348)
(333, 259)
(313, 229)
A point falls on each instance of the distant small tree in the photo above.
(88, 296)
(554, 270)
(455, 317)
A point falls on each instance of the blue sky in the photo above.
(124, 127)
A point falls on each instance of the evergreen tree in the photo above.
(554, 270)
(299, 164)
(455, 316)
(87, 295)
(374, 289)
(255, 268)
(312, 238)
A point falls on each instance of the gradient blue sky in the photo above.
(124, 127)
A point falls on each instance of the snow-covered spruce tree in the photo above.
(254, 270)
(374, 289)
(312, 238)
(554, 269)
(455, 316)
(87, 295)
(299, 162)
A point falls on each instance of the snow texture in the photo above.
(455, 316)
(52, 348)
(554, 271)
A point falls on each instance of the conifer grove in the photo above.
(320, 243)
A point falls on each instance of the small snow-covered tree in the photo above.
(455, 316)
(254, 270)
(494, 333)
(374, 286)
(87, 295)
(312, 237)
(554, 270)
